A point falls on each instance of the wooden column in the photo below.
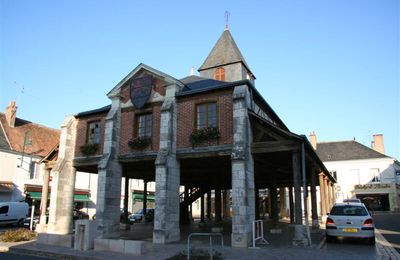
(274, 205)
(297, 188)
(202, 208)
(313, 191)
(327, 197)
(145, 199)
(208, 215)
(322, 194)
(218, 212)
(126, 200)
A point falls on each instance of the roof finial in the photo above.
(192, 73)
(227, 14)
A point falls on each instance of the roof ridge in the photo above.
(33, 123)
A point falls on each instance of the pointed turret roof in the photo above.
(225, 51)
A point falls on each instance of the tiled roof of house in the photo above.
(39, 139)
(346, 150)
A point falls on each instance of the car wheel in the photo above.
(371, 240)
(330, 238)
(20, 223)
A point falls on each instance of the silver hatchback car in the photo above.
(350, 220)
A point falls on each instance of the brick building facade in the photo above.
(212, 132)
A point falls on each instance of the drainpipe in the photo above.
(305, 191)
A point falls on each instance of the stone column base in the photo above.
(56, 240)
(241, 239)
(166, 236)
(41, 228)
(300, 238)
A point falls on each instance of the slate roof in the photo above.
(43, 138)
(198, 83)
(94, 111)
(225, 51)
(346, 150)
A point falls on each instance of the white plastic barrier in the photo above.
(258, 233)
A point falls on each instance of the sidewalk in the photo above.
(279, 247)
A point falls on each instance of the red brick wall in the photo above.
(127, 130)
(186, 116)
(81, 132)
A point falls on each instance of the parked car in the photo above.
(13, 213)
(351, 201)
(138, 216)
(27, 222)
(78, 214)
(350, 220)
(121, 216)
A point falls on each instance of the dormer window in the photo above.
(220, 74)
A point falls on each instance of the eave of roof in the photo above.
(101, 110)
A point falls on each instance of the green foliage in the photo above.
(139, 142)
(89, 149)
(204, 134)
(18, 235)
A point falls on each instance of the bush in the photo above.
(89, 149)
(18, 235)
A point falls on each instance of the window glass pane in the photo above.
(145, 125)
(4, 210)
(94, 133)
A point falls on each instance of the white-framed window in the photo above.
(94, 132)
(376, 175)
(32, 170)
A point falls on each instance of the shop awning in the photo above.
(78, 197)
(140, 197)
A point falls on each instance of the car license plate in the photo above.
(350, 230)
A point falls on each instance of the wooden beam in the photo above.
(274, 146)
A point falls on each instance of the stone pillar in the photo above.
(313, 191)
(333, 193)
(322, 194)
(110, 176)
(209, 205)
(283, 206)
(166, 223)
(243, 200)
(291, 205)
(45, 193)
(297, 188)
(218, 212)
(63, 183)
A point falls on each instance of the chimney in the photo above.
(377, 143)
(192, 73)
(11, 114)
(313, 140)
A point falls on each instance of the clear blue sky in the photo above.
(325, 66)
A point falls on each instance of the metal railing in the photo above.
(211, 244)
(258, 232)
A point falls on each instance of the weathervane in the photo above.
(227, 14)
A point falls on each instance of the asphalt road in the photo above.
(10, 256)
(389, 225)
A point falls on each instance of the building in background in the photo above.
(23, 144)
(362, 172)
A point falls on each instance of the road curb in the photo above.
(384, 247)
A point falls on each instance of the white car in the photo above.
(350, 220)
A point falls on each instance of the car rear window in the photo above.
(349, 210)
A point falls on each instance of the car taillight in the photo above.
(330, 221)
(368, 222)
